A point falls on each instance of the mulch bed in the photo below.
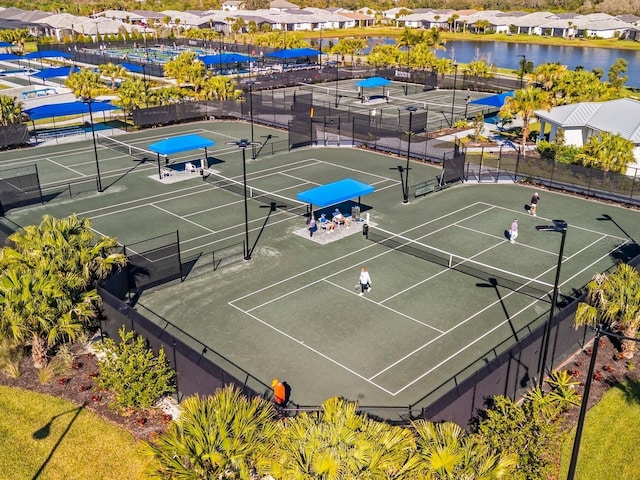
(79, 387)
(608, 372)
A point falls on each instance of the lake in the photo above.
(507, 55)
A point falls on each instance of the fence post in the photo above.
(175, 366)
(498, 165)
(633, 185)
(480, 165)
(553, 170)
(590, 180)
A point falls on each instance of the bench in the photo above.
(424, 188)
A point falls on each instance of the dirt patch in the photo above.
(79, 387)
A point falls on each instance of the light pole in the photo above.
(559, 226)
(453, 100)
(583, 406)
(243, 144)
(89, 101)
(405, 190)
(406, 79)
(337, 76)
(523, 64)
(253, 150)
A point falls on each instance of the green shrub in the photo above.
(131, 371)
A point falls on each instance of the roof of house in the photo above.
(601, 116)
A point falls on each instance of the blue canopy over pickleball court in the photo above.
(335, 193)
(179, 144)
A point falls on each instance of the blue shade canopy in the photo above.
(6, 44)
(132, 68)
(373, 82)
(10, 56)
(334, 193)
(183, 143)
(69, 108)
(48, 54)
(224, 58)
(294, 53)
(55, 72)
(494, 100)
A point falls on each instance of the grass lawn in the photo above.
(47, 438)
(609, 438)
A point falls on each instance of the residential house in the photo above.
(580, 121)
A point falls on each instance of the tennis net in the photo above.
(117, 145)
(328, 91)
(494, 276)
(262, 196)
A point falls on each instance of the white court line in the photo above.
(337, 165)
(498, 326)
(502, 238)
(340, 258)
(570, 226)
(181, 218)
(301, 343)
(393, 310)
(64, 166)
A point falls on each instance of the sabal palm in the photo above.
(608, 152)
(133, 93)
(448, 452)
(339, 443)
(85, 84)
(218, 87)
(10, 110)
(224, 436)
(37, 307)
(69, 247)
(113, 72)
(613, 300)
(524, 103)
(547, 74)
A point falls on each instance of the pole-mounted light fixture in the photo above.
(244, 144)
(559, 226)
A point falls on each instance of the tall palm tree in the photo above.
(613, 300)
(85, 84)
(224, 436)
(524, 103)
(547, 74)
(113, 72)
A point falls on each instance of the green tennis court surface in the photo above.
(449, 291)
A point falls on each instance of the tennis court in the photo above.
(449, 291)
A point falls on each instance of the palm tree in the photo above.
(338, 442)
(10, 110)
(113, 72)
(85, 84)
(524, 103)
(613, 300)
(547, 74)
(185, 68)
(218, 87)
(224, 436)
(37, 308)
(608, 152)
(47, 288)
(447, 452)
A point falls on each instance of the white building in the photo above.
(582, 120)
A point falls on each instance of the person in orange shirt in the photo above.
(279, 392)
